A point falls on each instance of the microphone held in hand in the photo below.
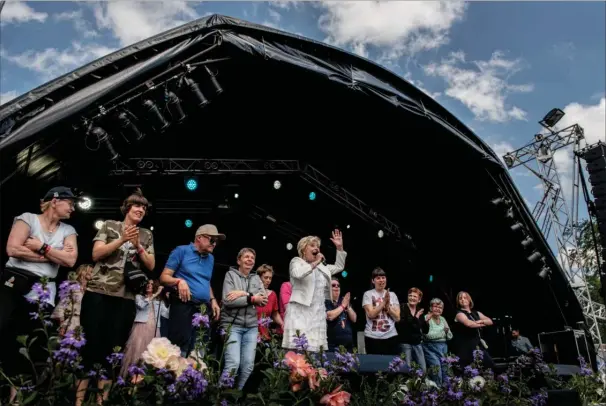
(315, 254)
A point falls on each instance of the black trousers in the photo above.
(106, 321)
(180, 330)
(387, 346)
(15, 320)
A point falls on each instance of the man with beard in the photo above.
(189, 270)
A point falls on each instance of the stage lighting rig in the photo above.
(85, 203)
(158, 120)
(552, 118)
(127, 124)
(213, 80)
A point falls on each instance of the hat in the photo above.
(210, 230)
(59, 192)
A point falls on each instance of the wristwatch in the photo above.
(44, 249)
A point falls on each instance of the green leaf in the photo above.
(22, 340)
(30, 398)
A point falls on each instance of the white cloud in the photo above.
(501, 148)
(16, 12)
(591, 117)
(483, 87)
(7, 96)
(52, 62)
(399, 27)
(419, 85)
(81, 25)
(130, 22)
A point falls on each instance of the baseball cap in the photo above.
(210, 230)
(59, 192)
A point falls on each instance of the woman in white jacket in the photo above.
(310, 278)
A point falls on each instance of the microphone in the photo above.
(315, 254)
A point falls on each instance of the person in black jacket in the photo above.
(411, 328)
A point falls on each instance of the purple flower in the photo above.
(346, 362)
(134, 370)
(470, 371)
(222, 332)
(120, 381)
(449, 360)
(478, 355)
(539, 399)
(301, 342)
(226, 380)
(69, 348)
(115, 359)
(264, 322)
(471, 402)
(200, 319)
(192, 383)
(67, 288)
(395, 364)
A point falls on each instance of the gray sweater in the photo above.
(238, 311)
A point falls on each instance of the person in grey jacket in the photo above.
(242, 290)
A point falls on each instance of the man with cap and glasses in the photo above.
(38, 244)
(188, 271)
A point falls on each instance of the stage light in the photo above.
(380, 233)
(264, 237)
(191, 184)
(175, 106)
(509, 161)
(552, 118)
(214, 81)
(312, 195)
(348, 226)
(277, 185)
(236, 195)
(344, 274)
(189, 223)
(126, 123)
(99, 224)
(104, 138)
(535, 256)
(527, 242)
(289, 246)
(151, 228)
(517, 226)
(430, 278)
(195, 89)
(156, 115)
(85, 203)
(545, 272)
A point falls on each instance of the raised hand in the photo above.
(337, 239)
(419, 313)
(130, 233)
(346, 300)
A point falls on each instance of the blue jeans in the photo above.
(434, 351)
(240, 351)
(414, 353)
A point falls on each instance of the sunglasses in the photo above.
(211, 240)
(335, 285)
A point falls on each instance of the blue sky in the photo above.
(498, 66)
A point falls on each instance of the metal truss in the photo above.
(555, 218)
(180, 166)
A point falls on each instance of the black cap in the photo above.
(59, 192)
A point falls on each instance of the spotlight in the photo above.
(153, 111)
(127, 124)
(348, 226)
(151, 228)
(517, 226)
(236, 195)
(552, 118)
(545, 272)
(175, 104)
(277, 185)
(104, 138)
(264, 237)
(535, 256)
(380, 233)
(99, 224)
(289, 246)
(498, 201)
(344, 274)
(214, 81)
(195, 89)
(527, 242)
(189, 223)
(191, 184)
(85, 203)
(312, 195)
(509, 161)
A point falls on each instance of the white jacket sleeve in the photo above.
(339, 263)
(299, 269)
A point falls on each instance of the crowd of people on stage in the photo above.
(118, 304)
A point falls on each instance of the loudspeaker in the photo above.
(564, 347)
(563, 397)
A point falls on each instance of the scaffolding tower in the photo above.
(553, 214)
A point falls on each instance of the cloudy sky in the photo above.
(498, 66)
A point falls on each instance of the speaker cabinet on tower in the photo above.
(564, 347)
(595, 157)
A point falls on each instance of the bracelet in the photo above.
(44, 249)
(140, 251)
(47, 248)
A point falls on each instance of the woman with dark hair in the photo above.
(121, 250)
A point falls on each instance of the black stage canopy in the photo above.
(314, 117)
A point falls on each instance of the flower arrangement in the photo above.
(289, 377)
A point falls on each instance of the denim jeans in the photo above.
(434, 351)
(414, 353)
(240, 350)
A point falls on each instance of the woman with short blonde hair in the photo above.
(310, 276)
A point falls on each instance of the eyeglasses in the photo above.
(211, 240)
(335, 285)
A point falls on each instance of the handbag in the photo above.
(19, 280)
(135, 279)
(482, 342)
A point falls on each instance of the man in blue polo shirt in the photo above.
(189, 270)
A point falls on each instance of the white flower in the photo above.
(430, 383)
(159, 351)
(477, 382)
(404, 388)
(195, 359)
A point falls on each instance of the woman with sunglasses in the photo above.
(339, 318)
